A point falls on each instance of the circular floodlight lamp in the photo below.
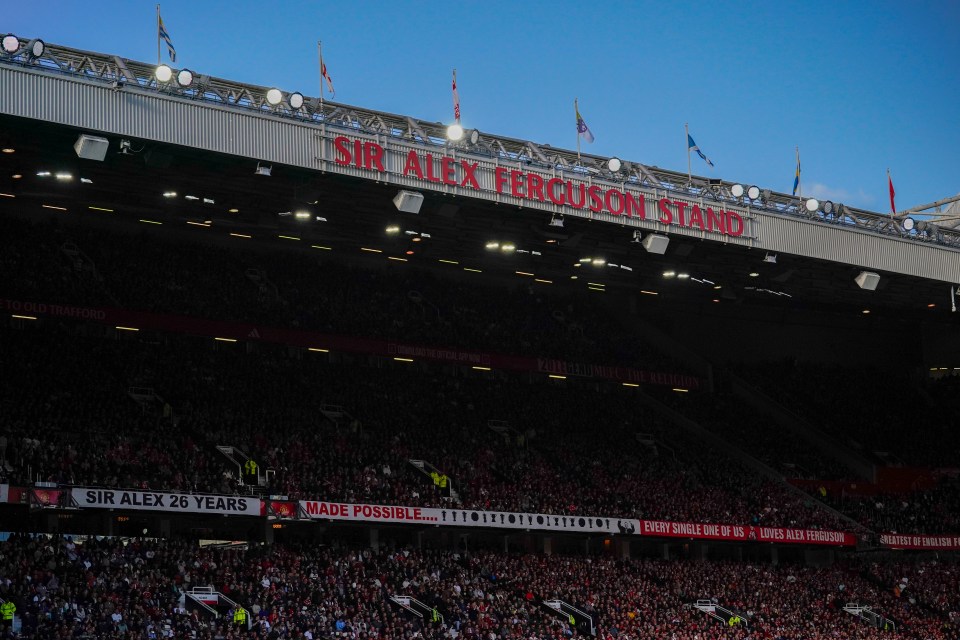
(828, 207)
(37, 47)
(455, 132)
(474, 136)
(274, 97)
(908, 224)
(296, 100)
(812, 205)
(163, 73)
(737, 190)
(614, 164)
(185, 78)
(753, 192)
(11, 44)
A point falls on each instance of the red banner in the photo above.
(698, 531)
(929, 543)
(314, 340)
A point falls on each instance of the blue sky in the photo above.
(860, 86)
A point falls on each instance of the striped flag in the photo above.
(796, 179)
(456, 98)
(163, 35)
(692, 146)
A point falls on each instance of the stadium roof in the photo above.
(207, 140)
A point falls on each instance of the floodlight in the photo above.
(37, 47)
(473, 137)
(408, 201)
(302, 215)
(262, 170)
(393, 229)
(908, 224)
(11, 44)
(274, 97)
(185, 78)
(91, 147)
(492, 245)
(508, 247)
(598, 262)
(753, 192)
(828, 207)
(555, 221)
(812, 205)
(737, 190)
(295, 100)
(614, 164)
(163, 73)
(867, 280)
(771, 258)
(455, 132)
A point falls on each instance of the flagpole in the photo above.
(158, 35)
(893, 208)
(320, 62)
(576, 112)
(686, 129)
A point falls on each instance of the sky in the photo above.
(859, 85)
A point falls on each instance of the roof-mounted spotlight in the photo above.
(295, 100)
(614, 164)
(473, 136)
(908, 224)
(508, 247)
(770, 257)
(828, 208)
(11, 44)
(274, 97)
(455, 132)
(185, 78)
(555, 221)
(737, 190)
(812, 205)
(36, 48)
(753, 192)
(262, 170)
(163, 73)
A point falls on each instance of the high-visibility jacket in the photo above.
(240, 616)
(435, 616)
(573, 621)
(7, 609)
(443, 481)
(436, 477)
(251, 467)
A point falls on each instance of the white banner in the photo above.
(171, 502)
(316, 510)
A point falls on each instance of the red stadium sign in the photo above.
(779, 535)
(545, 188)
(929, 543)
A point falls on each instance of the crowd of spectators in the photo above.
(567, 449)
(130, 589)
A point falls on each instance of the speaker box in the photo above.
(91, 147)
(408, 201)
(656, 243)
(868, 280)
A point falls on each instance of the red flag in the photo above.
(456, 98)
(893, 207)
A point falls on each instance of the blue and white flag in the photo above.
(163, 35)
(582, 128)
(692, 146)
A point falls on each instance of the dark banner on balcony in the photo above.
(122, 499)
(348, 512)
(744, 533)
(234, 331)
(928, 543)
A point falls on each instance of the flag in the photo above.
(692, 146)
(326, 76)
(456, 98)
(582, 128)
(163, 35)
(796, 179)
(893, 207)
